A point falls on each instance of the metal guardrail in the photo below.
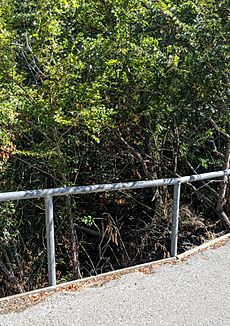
(48, 194)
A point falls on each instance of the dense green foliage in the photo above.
(105, 91)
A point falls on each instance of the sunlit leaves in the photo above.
(93, 65)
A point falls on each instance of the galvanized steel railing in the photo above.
(48, 194)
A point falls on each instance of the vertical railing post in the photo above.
(50, 240)
(175, 218)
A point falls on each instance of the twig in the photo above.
(203, 182)
(137, 155)
(218, 129)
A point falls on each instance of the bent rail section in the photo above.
(48, 195)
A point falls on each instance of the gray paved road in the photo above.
(195, 292)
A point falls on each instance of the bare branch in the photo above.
(203, 182)
(138, 157)
(215, 150)
(10, 277)
(225, 134)
(94, 233)
(223, 189)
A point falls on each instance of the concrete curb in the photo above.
(23, 300)
(212, 244)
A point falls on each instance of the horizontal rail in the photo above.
(49, 193)
(28, 194)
